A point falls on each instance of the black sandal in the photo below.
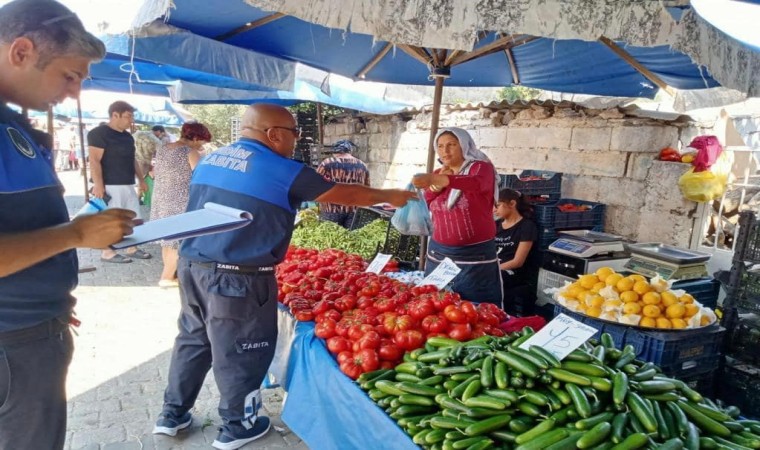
(117, 259)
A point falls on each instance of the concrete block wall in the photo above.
(604, 157)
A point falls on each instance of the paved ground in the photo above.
(118, 374)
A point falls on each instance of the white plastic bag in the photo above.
(413, 218)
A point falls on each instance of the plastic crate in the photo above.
(405, 248)
(547, 189)
(743, 339)
(550, 216)
(745, 294)
(704, 382)
(364, 216)
(679, 351)
(738, 387)
(705, 290)
(748, 239)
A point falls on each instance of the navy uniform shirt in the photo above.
(31, 197)
(248, 175)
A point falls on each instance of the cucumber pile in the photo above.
(489, 393)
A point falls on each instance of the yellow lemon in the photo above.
(678, 323)
(641, 287)
(636, 278)
(690, 309)
(651, 298)
(629, 296)
(704, 321)
(595, 301)
(663, 323)
(594, 311)
(652, 311)
(598, 286)
(625, 284)
(571, 291)
(648, 322)
(588, 281)
(631, 308)
(603, 272)
(668, 298)
(612, 279)
(686, 298)
(582, 295)
(675, 311)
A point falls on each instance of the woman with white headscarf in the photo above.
(461, 196)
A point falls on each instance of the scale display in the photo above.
(668, 271)
(584, 249)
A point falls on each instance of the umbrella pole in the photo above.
(320, 125)
(437, 96)
(81, 151)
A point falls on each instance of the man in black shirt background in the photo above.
(114, 167)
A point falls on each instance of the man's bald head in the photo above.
(273, 125)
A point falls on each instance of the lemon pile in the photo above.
(633, 300)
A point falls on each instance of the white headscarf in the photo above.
(471, 154)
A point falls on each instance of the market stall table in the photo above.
(324, 407)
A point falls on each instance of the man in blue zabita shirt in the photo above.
(227, 281)
(45, 54)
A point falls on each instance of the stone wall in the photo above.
(605, 156)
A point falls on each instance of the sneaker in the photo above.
(169, 424)
(235, 436)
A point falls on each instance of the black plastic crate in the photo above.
(704, 290)
(702, 382)
(745, 293)
(403, 247)
(550, 215)
(748, 239)
(546, 188)
(364, 216)
(738, 387)
(743, 338)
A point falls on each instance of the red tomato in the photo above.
(454, 314)
(488, 318)
(364, 302)
(469, 310)
(321, 306)
(304, 316)
(344, 356)
(393, 324)
(389, 352)
(337, 344)
(351, 369)
(387, 364)
(442, 300)
(460, 331)
(332, 314)
(355, 332)
(435, 324)
(421, 308)
(385, 304)
(409, 339)
(370, 339)
(345, 303)
(325, 329)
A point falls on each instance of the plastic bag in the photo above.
(93, 206)
(702, 186)
(413, 218)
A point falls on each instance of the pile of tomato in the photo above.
(370, 320)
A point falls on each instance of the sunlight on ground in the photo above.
(122, 327)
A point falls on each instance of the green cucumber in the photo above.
(389, 387)
(487, 425)
(569, 377)
(448, 423)
(472, 389)
(459, 390)
(594, 436)
(691, 441)
(500, 375)
(538, 361)
(419, 389)
(587, 424)
(580, 401)
(485, 401)
(414, 399)
(618, 427)
(546, 355)
(518, 363)
(704, 422)
(632, 442)
(642, 411)
(542, 427)
(487, 372)
(505, 395)
(544, 440)
(440, 341)
(656, 387)
(671, 444)
(587, 369)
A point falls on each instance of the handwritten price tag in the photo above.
(442, 275)
(377, 264)
(561, 336)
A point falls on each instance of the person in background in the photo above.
(114, 167)
(45, 53)
(461, 196)
(342, 167)
(228, 290)
(147, 144)
(174, 164)
(516, 236)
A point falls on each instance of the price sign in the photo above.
(442, 275)
(377, 264)
(561, 336)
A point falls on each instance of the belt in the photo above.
(34, 333)
(233, 268)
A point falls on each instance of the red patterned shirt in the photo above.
(470, 220)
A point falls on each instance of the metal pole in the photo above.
(320, 125)
(437, 96)
(81, 151)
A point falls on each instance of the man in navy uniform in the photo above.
(227, 280)
(45, 54)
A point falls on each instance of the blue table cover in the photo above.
(326, 409)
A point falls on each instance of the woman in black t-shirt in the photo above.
(516, 234)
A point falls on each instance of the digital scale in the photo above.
(586, 243)
(575, 253)
(670, 263)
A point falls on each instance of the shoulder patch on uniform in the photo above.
(22, 144)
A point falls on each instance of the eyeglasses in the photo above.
(296, 131)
